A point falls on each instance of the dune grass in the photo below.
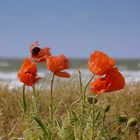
(14, 124)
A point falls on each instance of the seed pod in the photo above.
(122, 118)
(132, 122)
(106, 108)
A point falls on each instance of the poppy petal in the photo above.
(57, 63)
(100, 63)
(116, 79)
(25, 63)
(35, 44)
(28, 73)
(62, 74)
(112, 81)
(38, 54)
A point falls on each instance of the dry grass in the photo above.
(12, 124)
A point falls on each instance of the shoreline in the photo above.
(10, 79)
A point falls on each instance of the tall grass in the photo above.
(101, 115)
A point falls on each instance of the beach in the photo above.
(9, 68)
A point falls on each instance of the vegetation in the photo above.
(117, 110)
(67, 109)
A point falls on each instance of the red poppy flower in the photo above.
(100, 63)
(112, 81)
(39, 54)
(57, 64)
(28, 73)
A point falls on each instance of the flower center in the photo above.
(36, 50)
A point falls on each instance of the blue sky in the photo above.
(73, 27)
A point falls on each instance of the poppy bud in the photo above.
(106, 108)
(122, 118)
(90, 99)
(95, 100)
(132, 122)
(35, 51)
(115, 138)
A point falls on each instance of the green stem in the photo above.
(88, 84)
(80, 82)
(51, 106)
(123, 130)
(83, 97)
(93, 116)
(109, 124)
(24, 100)
(74, 103)
(104, 120)
(92, 121)
(82, 104)
(35, 99)
(34, 91)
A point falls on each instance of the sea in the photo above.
(9, 67)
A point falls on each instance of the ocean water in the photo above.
(130, 68)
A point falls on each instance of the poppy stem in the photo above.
(80, 81)
(51, 106)
(35, 99)
(104, 115)
(88, 84)
(24, 100)
(93, 116)
(82, 104)
(83, 97)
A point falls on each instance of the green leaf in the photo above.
(44, 128)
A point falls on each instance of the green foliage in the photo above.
(45, 129)
(100, 121)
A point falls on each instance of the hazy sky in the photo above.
(73, 27)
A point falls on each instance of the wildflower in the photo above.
(39, 54)
(57, 64)
(113, 80)
(28, 73)
(100, 63)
